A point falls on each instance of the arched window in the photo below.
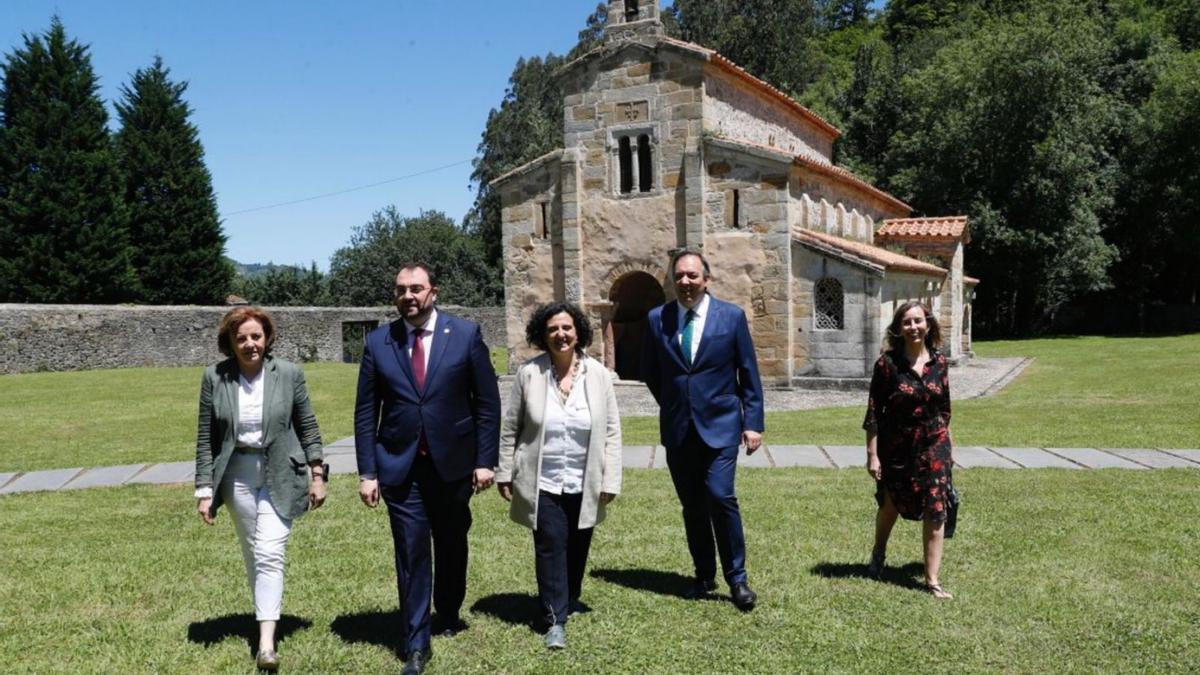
(645, 172)
(625, 158)
(631, 10)
(830, 305)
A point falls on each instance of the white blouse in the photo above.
(250, 411)
(568, 430)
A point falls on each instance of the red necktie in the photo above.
(418, 358)
(418, 364)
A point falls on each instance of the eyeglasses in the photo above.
(415, 289)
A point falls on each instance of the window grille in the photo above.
(830, 305)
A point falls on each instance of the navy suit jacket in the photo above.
(720, 393)
(459, 409)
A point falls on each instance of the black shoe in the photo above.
(743, 597)
(417, 660)
(700, 589)
(448, 627)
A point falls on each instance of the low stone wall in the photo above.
(85, 337)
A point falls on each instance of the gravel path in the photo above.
(978, 377)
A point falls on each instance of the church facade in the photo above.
(669, 144)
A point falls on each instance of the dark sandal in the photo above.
(875, 567)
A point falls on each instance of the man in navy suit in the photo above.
(698, 361)
(426, 432)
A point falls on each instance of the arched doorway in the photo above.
(632, 297)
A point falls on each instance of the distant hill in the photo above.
(252, 270)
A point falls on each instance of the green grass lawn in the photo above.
(1052, 570)
(1080, 392)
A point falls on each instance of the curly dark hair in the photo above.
(895, 340)
(234, 319)
(535, 330)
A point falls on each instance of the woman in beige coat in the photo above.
(560, 456)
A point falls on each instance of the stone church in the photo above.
(670, 144)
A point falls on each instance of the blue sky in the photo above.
(303, 98)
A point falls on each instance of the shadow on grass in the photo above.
(910, 576)
(377, 628)
(654, 581)
(245, 626)
(518, 609)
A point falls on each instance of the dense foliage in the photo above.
(176, 237)
(363, 273)
(284, 285)
(63, 220)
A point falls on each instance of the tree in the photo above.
(529, 123)
(364, 273)
(179, 246)
(285, 286)
(772, 39)
(1012, 127)
(63, 222)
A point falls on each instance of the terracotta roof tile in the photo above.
(864, 253)
(970, 280)
(948, 227)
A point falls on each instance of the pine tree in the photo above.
(178, 252)
(62, 220)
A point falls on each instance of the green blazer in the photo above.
(291, 438)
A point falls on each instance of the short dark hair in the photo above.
(933, 335)
(420, 265)
(535, 330)
(234, 319)
(683, 253)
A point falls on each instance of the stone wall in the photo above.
(846, 352)
(732, 109)
(84, 337)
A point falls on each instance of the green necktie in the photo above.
(688, 330)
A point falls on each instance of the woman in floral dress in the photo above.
(909, 450)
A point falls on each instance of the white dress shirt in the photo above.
(250, 411)
(426, 337)
(701, 310)
(565, 442)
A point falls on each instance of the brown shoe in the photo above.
(267, 660)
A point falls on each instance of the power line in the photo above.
(342, 192)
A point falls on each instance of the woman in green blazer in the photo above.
(560, 456)
(258, 449)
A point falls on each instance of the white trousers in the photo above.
(260, 528)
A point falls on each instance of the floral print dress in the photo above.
(910, 416)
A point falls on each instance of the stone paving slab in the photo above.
(346, 445)
(170, 472)
(970, 457)
(1094, 459)
(660, 458)
(104, 476)
(342, 463)
(5, 477)
(759, 460)
(1035, 458)
(1152, 458)
(847, 456)
(636, 456)
(34, 481)
(799, 455)
(1191, 455)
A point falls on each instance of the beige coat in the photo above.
(523, 429)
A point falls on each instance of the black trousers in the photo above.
(422, 507)
(560, 551)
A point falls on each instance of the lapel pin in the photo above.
(446, 331)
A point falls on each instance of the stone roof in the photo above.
(863, 254)
(816, 165)
(937, 229)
